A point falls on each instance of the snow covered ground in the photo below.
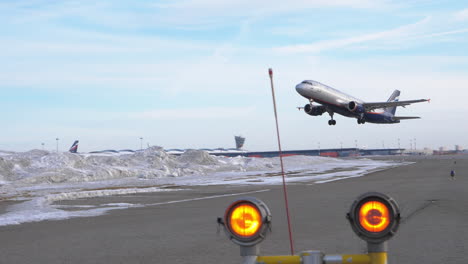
(36, 179)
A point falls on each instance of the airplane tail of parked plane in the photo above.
(393, 98)
(74, 147)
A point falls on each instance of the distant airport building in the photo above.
(341, 152)
(443, 151)
(232, 152)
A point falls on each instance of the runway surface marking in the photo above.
(207, 197)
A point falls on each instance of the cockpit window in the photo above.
(308, 82)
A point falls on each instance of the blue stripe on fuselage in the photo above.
(371, 117)
(379, 118)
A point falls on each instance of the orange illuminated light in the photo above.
(374, 216)
(245, 220)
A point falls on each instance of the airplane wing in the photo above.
(405, 117)
(373, 106)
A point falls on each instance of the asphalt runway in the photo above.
(434, 226)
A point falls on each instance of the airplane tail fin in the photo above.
(74, 147)
(393, 98)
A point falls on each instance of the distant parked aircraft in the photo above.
(334, 101)
(74, 147)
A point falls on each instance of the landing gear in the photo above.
(331, 122)
(360, 119)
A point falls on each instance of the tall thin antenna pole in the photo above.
(270, 72)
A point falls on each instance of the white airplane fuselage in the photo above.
(334, 101)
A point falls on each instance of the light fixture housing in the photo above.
(374, 217)
(247, 221)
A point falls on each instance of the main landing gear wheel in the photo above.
(331, 122)
(361, 121)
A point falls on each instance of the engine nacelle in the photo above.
(355, 107)
(314, 110)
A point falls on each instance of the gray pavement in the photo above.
(434, 228)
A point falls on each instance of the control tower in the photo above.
(239, 142)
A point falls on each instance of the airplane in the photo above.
(334, 101)
(74, 147)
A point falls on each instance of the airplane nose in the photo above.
(301, 88)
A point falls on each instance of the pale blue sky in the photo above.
(193, 73)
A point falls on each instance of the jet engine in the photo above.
(356, 107)
(314, 110)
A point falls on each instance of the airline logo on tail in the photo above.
(74, 147)
(395, 97)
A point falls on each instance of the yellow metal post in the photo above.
(378, 258)
(278, 260)
(347, 258)
(356, 259)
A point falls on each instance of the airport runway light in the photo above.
(141, 143)
(374, 217)
(42, 145)
(247, 221)
(57, 139)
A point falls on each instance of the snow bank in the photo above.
(38, 179)
(39, 166)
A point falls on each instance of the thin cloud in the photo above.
(270, 4)
(291, 31)
(445, 33)
(393, 35)
(195, 13)
(462, 15)
(117, 45)
(195, 113)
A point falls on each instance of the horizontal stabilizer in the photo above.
(373, 106)
(405, 117)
